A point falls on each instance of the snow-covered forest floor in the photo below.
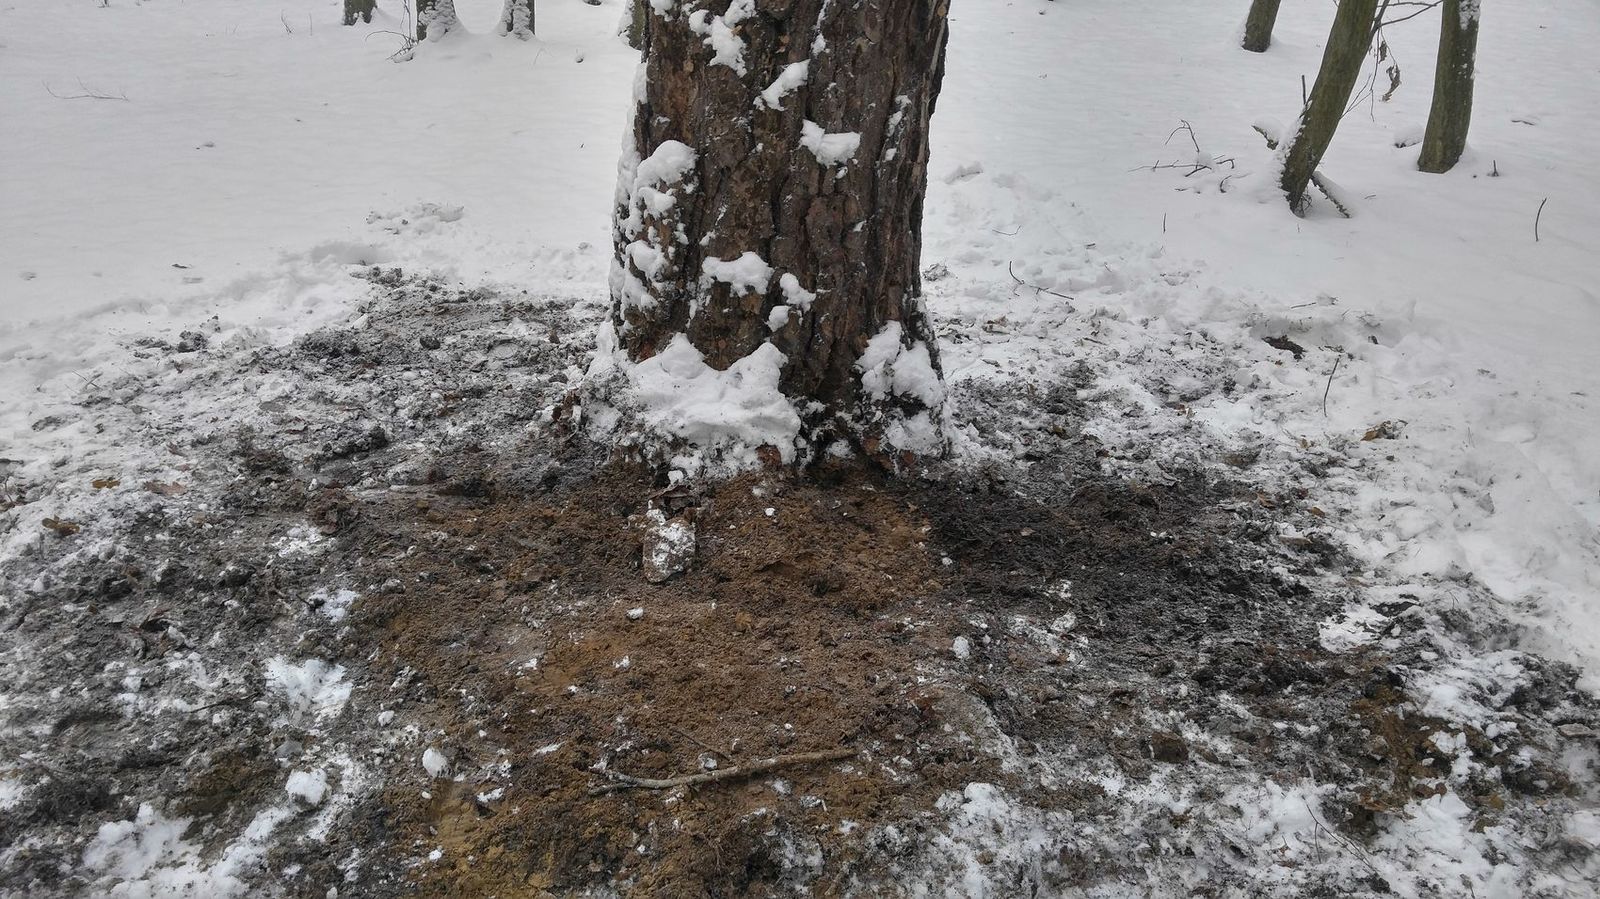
(1268, 563)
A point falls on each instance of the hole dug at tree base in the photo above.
(1037, 676)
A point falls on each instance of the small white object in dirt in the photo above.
(313, 686)
(771, 512)
(148, 856)
(623, 664)
(299, 541)
(11, 793)
(830, 149)
(436, 854)
(311, 786)
(335, 605)
(961, 648)
(385, 717)
(636, 614)
(669, 546)
(434, 762)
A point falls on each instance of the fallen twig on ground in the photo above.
(628, 782)
(1326, 186)
(1336, 360)
(1010, 269)
(87, 94)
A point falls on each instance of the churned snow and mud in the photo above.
(1265, 564)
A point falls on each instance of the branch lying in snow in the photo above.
(628, 782)
(1010, 270)
(87, 94)
(1340, 837)
(1200, 163)
(1194, 168)
(1327, 188)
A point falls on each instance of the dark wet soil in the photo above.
(949, 626)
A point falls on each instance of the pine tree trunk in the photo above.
(1258, 27)
(794, 131)
(358, 9)
(1348, 42)
(1451, 116)
(436, 18)
(517, 19)
(638, 13)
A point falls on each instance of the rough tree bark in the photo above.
(358, 10)
(436, 18)
(516, 19)
(1348, 42)
(774, 194)
(1258, 27)
(1451, 115)
(638, 13)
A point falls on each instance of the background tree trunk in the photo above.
(639, 12)
(807, 149)
(1258, 27)
(436, 18)
(1348, 41)
(1451, 114)
(517, 19)
(358, 9)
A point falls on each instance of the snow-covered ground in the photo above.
(262, 151)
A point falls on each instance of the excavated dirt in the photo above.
(950, 627)
(820, 613)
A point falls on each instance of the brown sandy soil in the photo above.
(1039, 624)
(819, 612)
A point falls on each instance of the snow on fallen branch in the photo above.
(1272, 135)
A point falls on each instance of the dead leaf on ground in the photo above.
(62, 527)
(165, 489)
(1384, 430)
(106, 483)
